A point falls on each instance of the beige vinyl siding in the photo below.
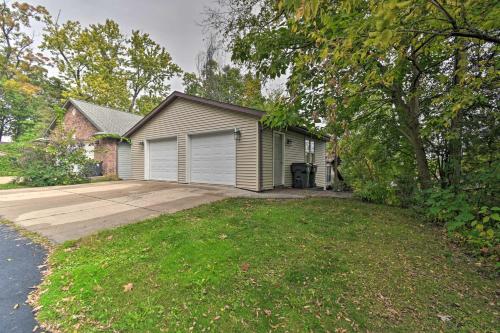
(183, 118)
(267, 159)
(294, 153)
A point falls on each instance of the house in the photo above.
(100, 130)
(189, 139)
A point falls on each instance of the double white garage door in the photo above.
(211, 159)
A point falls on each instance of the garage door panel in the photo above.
(163, 160)
(213, 159)
(124, 161)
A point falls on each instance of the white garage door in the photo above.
(213, 159)
(163, 159)
(124, 161)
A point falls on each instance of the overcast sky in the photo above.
(175, 24)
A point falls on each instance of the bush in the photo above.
(8, 154)
(60, 162)
(374, 191)
(478, 227)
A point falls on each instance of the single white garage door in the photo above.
(163, 159)
(124, 161)
(213, 159)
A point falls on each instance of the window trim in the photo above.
(309, 154)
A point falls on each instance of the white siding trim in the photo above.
(259, 185)
(188, 158)
(283, 148)
(146, 159)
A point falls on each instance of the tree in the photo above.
(421, 65)
(150, 67)
(225, 84)
(99, 64)
(16, 46)
(22, 73)
(90, 61)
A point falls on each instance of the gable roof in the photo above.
(205, 101)
(106, 120)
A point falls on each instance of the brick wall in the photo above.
(74, 121)
(104, 150)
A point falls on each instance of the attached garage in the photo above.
(161, 159)
(213, 158)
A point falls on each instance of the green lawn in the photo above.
(10, 186)
(244, 265)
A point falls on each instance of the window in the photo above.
(309, 149)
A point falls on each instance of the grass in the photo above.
(10, 186)
(244, 265)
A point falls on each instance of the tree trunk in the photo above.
(2, 128)
(132, 103)
(424, 175)
(410, 127)
(412, 132)
(454, 168)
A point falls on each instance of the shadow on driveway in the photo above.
(19, 272)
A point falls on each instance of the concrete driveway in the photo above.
(64, 213)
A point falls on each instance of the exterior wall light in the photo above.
(237, 134)
(141, 143)
(288, 141)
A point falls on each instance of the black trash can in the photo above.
(312, 175)
(300, 175)
(96, 170)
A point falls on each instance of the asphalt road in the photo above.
(19, 261)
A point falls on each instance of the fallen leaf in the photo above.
(16, 306)
(245, 267)
(109, 237)
(217, 318)
(223, 236)
(267, 312)
(128, 287)
(35, 328)
(444, 318)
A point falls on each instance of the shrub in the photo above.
(373, 191)
(478, 227)
(8, 154)
(62, 161)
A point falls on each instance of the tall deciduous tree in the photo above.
(90, 61)
(150, 66)
(223, 83)
(425, 66)
(99, 64)
(22, 75)
(16, 45)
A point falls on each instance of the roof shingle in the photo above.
(106, 120)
